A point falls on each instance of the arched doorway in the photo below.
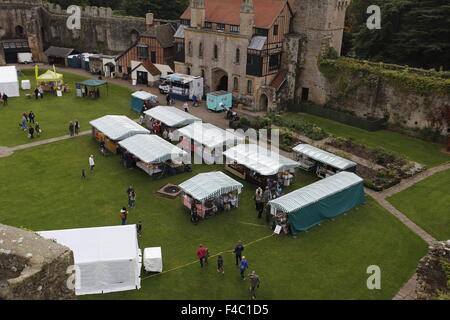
(19, 31)
(263, 103)
(219, 80)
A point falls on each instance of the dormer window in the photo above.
(220, 27)
(208, 25)
(234, 28)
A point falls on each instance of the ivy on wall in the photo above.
(350, 73)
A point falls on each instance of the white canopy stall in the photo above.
(208, 141)
(154, 154)
(9, 82)
(108, 258)
(325, 163)
(111, 129)
(256, 164)
(211, 192)
(170, 117)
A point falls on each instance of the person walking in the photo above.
(260, 208)
(77, 127)
(238, 251)
(168, 99)
(41, 92)
(194, 100)
(31, 132)
(83, 174)
(23, 124)
(71, 128)
(31, 116)
(194, 213)
(243, 265)
(133, 199)
(36, 93)
(201, 252)
(139, 228)
(220, 265)
(186, 107)
(254, 284)
(25, 115)
(91, 163)
(267, 196)
(123, 215)
(37, 129)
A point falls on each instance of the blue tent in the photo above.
(320, 201)
(139, 98)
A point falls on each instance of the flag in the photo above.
(36, 71)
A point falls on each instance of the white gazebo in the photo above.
(171, 117)
(152, 151)
(9, 82)
(107, 259)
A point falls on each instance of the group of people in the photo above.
(241, 262)
(27, 122)
(39, 93)
(131, 197)
(74, 128)
(4, 98)
(262, 197)
(224, 202)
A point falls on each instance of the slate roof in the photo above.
(59, 52)
(163, 33)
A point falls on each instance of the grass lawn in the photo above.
(54, 113)
(427, 203)
(423, 152)
(46, 192)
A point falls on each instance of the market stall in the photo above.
(92, 87)
(320, 201)
(107, 259)
(207, 140)
(109, 130)
(169, 118)
(9, 82)
(142, 101)
(219, 100)
(211, 193)
(257, 165)
(325, 164)
(153, 154)
(50, 81)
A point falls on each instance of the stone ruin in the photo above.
(33, 268)
(431, 276)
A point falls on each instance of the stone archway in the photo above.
(263, 103)
(219, 80)
(19, 31)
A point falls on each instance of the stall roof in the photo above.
(143, 95)
(316, 192)
(118, 127)
(209, 135)
(324, 156)
(208, 185)
(172, 116)
(263, 161)
(152, 148)
(93, 83)
(50, 75)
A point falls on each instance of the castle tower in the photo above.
(322, 23)
(247, 16)
(198, 13)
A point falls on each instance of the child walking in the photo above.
(220, 265)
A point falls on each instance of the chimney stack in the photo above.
(198, 13)
(149, 20)
(247, 17)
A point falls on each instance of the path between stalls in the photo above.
(405, 293)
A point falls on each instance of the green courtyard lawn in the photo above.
(44, 191)
(427, 203)
(54, 113)
(423, 152)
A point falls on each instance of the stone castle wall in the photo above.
(33, 268)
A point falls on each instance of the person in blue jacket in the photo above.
(243, 265)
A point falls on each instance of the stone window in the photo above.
(200, 50)
(274, 61)
(190, 48)
(188, 70)
(235, 84)
(216, 52)
(186, 22)
(249, 86)
(238, 56)
(234, 28)
(208, 25)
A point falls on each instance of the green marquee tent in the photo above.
(320, 201)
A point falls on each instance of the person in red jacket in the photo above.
(201, 253)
